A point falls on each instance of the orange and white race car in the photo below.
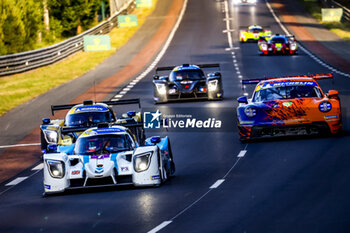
(293, 105)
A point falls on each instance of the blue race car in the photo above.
(187, 82)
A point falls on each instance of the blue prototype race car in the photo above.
(187, 82)
(108, 155)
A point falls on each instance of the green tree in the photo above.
(74, 15)
(19, 25)
(12, 28)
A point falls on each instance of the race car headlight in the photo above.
(325, 106)
(141, 162)
(56, 168)
(212, 85)
(293, 46)
(250, 112)
(51, 136)
(263, 46)
(161, 88)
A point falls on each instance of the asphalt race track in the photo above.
(221, 185)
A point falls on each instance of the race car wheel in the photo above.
(162, 172)
(172, 163)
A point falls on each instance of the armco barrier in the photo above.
(21, 62)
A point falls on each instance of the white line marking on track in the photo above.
(165, 47)
(118, 96)
(123, 92)
(241, 153)
(300, 46)
(16, 181)
(229, 30)
(229, 38)
(20, 145)
(217, 184)
(38, 167)
(12, 186)
(160, 226)
(126, 89)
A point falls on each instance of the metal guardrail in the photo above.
(21, 62)
(346, 11)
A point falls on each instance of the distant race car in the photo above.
(81, 117)
(278, 44)
(108, 155)
(187, 82)
(254, 33)
(292, 105)
(244, 2)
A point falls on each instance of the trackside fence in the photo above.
(21, 62)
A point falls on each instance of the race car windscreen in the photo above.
(277, 40)
(88, 118)
(102, 144)
(186, 75)
(286, 92)
(255, 30)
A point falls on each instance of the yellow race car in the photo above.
(254, 33)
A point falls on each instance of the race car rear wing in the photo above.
(265, 28)
(202, 66)
(55, 108)
(314, 76)
(82, 129)
(135, 127)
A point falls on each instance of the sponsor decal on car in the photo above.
(287, 104)
(90, 109)
(124, 169)
(156, 177)
(77, 172)
(330, 117)
(47, 186)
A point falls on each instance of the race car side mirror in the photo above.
(46, 121)
(333, 93)
(156, 77)
(155, 139)
(243, 100)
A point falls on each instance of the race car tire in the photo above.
(172, 163)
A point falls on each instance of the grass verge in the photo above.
(342, 29)
(20, 88)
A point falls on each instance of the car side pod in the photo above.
(333, 94)
(214, 84)
(53, 181)
(148, 174)
(242, 100)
